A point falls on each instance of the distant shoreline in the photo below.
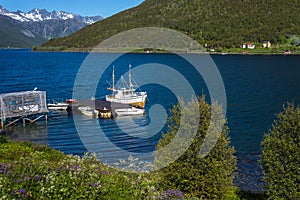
(90, 50)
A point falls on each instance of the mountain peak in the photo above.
(36, 15)
(3, 10)
(38, 25)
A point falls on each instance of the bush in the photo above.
(210, 176)
(3, 140)
(281, 155)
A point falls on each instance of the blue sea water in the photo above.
(256, 88)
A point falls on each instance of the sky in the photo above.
(105, 8)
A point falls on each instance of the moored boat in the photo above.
(126, 94)
(88, 111)
(57, 106)
(129, 111)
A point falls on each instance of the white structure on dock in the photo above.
(22, 105)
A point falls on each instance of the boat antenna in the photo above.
(129, 77)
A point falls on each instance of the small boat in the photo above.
(129, 111)
(57, 106)
(88, 111)
(71, 101)
(127, 94)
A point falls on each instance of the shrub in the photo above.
(210, 176)
(3, 140)
(281, 155)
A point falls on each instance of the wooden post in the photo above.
(7, 125)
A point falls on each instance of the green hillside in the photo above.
(227, 23)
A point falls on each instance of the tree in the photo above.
(209, 175)
(281, 155)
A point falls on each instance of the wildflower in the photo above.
(3, 168)
(37, 178)
(74, 168)
(105, 172)
(171, 194)
(22, 191)
(19, 181)
(92, 184)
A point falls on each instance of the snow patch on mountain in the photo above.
(39, 15)
(28, 33)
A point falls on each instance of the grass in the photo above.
(35, 171)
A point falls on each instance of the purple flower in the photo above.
(37, 178)
(74, 168)
(3, 168)
(171, 194)
(22, 191)
(105, 172)
(93, 184)
(20, 181)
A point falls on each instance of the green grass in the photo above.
(35, 171)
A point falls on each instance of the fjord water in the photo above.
(256, 86)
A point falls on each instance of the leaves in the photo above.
(210, 176)
(281, 155)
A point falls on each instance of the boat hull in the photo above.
(129, 111)
(57, 106)
(136, 101)
(88, 111)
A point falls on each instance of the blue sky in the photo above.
(104, 8)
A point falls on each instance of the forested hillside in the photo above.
(226, 23)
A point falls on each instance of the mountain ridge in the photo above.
(219, 24)
(20, 38)
(38, 26)
(36, 15)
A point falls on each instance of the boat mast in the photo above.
(129, 77)
(113, 78)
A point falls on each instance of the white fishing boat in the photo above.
(57, 106)
(129, 111)
(127, 94)
(88, 111)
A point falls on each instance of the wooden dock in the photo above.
(101, 105)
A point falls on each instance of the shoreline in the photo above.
(236, 51)
(90, 50)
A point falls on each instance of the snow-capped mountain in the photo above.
(38, 26)
(38, 15)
